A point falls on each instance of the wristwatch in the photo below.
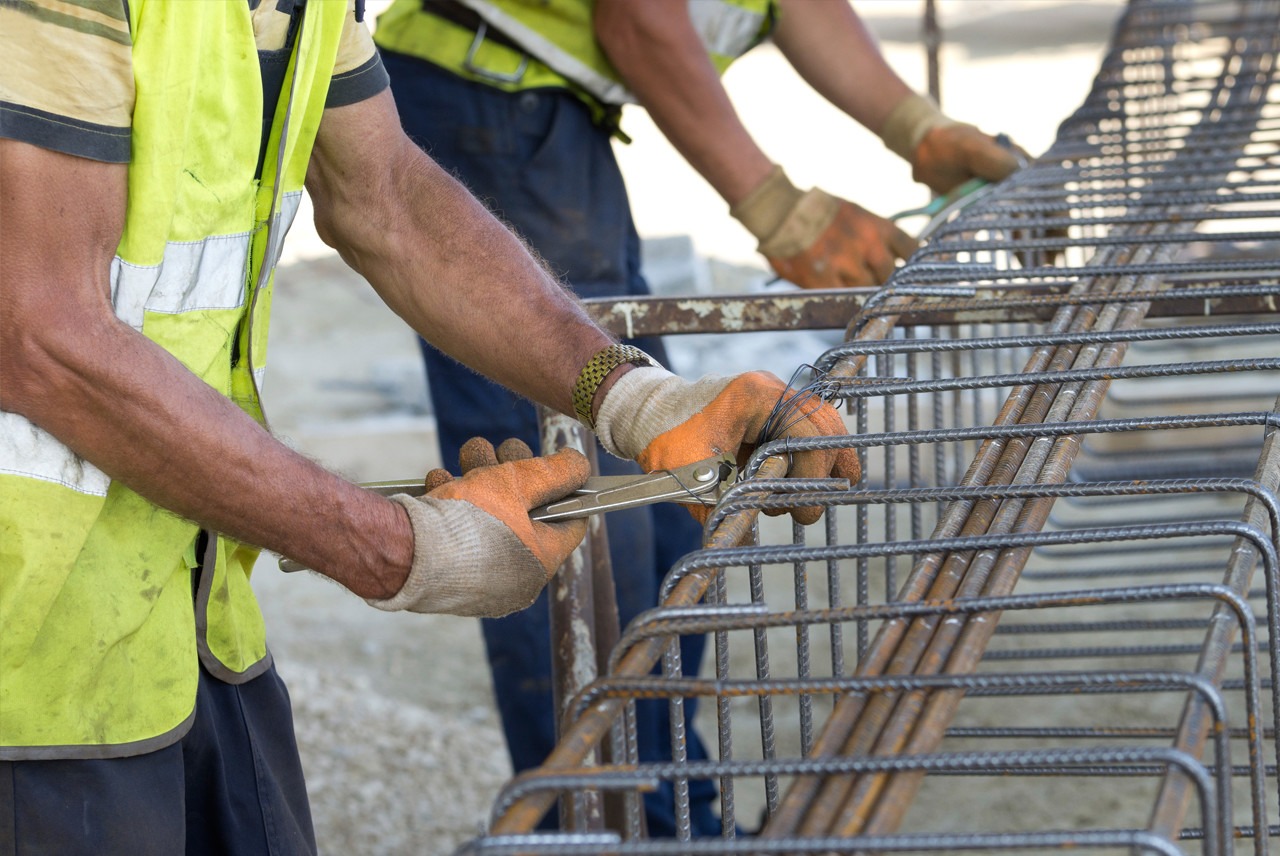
(597, 369)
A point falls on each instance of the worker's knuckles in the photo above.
(510, 490)
(820, 420)
(476, 453)
(847, 466)
(514, 449)
(807, 515)
(437, 478)
(542, 480)
(810, 269)
(746, 403)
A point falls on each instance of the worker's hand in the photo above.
(951, 154)
(857, 248)
(944, 153)
(817, 240)
(476, 551)
(664, 421)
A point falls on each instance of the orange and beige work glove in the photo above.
(944, 153)
(475, 550)
(817, 240)
(664, 421)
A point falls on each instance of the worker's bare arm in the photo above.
(826, 42)
(440, 260)
(828, 45)
(655, 48)
(130, 408)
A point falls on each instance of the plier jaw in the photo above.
(700, 483)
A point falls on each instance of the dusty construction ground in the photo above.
(394, 712)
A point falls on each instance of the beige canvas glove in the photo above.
(664, 421)
(476, 552)
(817, 240)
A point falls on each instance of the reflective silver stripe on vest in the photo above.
(606, 89)
(26, 450)
(194, 276)
(208, 274)
(725, 29)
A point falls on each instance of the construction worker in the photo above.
(142, 208)
(520, 100)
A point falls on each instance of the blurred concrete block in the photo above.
(672, 267)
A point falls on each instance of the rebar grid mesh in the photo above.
(1042, 618)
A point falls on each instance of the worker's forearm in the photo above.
(658, 53)
(131, 409)
(828, 45)
(450, 269)
(121, 402)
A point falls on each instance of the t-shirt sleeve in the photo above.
(66, 76)
(358, 73)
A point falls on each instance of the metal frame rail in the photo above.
(1043, 618)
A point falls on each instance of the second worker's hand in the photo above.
(951, 154)
(817, 240)
(856, 249)
(476, 550)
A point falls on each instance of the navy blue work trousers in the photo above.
(540, 163)
(231, 785)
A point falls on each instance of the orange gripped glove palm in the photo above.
(664, 421)
(950, 155)
(817, 240)
(944, 153)
(476, 551)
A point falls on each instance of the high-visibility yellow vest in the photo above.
(99, 639)
(559, 46)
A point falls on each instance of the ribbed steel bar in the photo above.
(574, 619)
(882, 724)
(1174, 795)
(1135, 840)
(1091, 760)
(1152, 216)
(1168, 812)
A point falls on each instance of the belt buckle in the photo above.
(470, 62)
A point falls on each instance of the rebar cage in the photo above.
(1042, 618)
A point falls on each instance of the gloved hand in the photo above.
(950, 155)
(944, 153)
(476, 552)
(817, 240)
(664, 421)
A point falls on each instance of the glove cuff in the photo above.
(454, 544)
(647, 402)
(807, 220)
(764, 209)
(909, 121)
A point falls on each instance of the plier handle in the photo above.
(700, 483)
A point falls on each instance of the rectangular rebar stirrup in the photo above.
(1153, 213)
